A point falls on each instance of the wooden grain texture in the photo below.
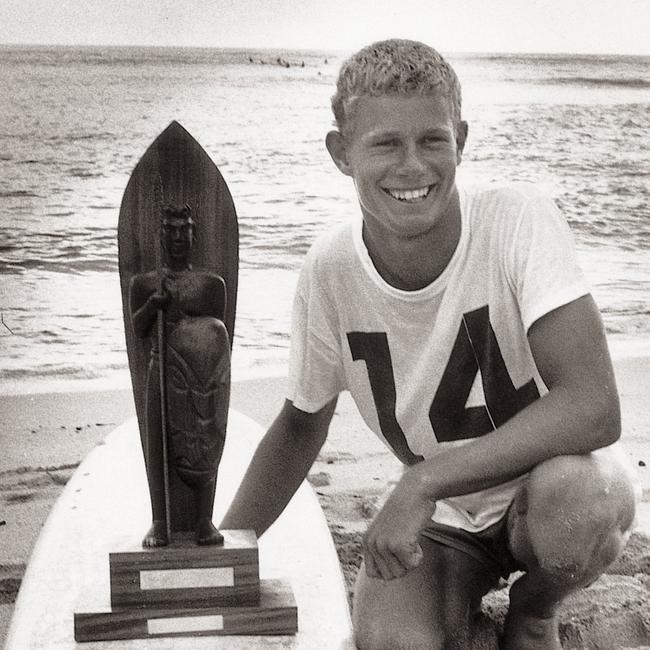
(126, 590)
(176, 162)
(276, 613)
(239, 551)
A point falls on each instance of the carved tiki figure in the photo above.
(195, 359)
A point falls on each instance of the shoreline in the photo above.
(248, 366)
(46, 435)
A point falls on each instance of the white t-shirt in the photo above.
(448, 362)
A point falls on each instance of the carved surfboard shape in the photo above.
(175, 170)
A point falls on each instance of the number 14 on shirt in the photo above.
(475, 348)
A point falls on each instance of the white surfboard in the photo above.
(106, 503)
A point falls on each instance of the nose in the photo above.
(412, 163)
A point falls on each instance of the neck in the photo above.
(177, 265)
(412, 263)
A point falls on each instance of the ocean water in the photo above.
(76, 120)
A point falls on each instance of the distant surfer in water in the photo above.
(197, 374)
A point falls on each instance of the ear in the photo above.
(461, 137)
(335, 143)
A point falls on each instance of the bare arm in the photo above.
(220, 298)
(278, 467)
(212, 299)
(144, 303)
(580, 413)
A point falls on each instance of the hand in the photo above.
(391, 546)
(160, 299)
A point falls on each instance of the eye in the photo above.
(434, 140)
(386, 143)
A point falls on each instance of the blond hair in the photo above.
(395, 67)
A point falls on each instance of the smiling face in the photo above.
(402, 152)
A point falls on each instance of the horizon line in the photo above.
(318, 49)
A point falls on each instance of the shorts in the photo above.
(490, 546)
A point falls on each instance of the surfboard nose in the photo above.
(175, 128)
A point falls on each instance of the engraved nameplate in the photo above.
(187, 578)
(180, 624)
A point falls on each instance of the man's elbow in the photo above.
(302, 428)
(140, 329)
(604, 417)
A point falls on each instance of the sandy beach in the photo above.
(44, 436)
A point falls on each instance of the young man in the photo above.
(459, 321)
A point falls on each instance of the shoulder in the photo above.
(508, 198)
(328, 264)
(144, 280)
(331, 252)
(499, 209)
(210, 278)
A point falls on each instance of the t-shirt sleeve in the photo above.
(543, 263)
(315, 364)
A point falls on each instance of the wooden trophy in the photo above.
(178, 258)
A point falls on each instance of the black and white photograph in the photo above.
(325, 324)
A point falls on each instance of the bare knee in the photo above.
(578, 513)
(390, 630)
(390, 640)
(385, 630)
(393, 634)
(592, 493)
(382, 639)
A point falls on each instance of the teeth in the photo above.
(410, 195)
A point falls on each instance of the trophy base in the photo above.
(275, 613)
(189, 590)
(184, 574)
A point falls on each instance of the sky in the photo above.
(581, 26)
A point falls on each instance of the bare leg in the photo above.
(432, 607)
(156, 535)
(206, 532)
(568, 523)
